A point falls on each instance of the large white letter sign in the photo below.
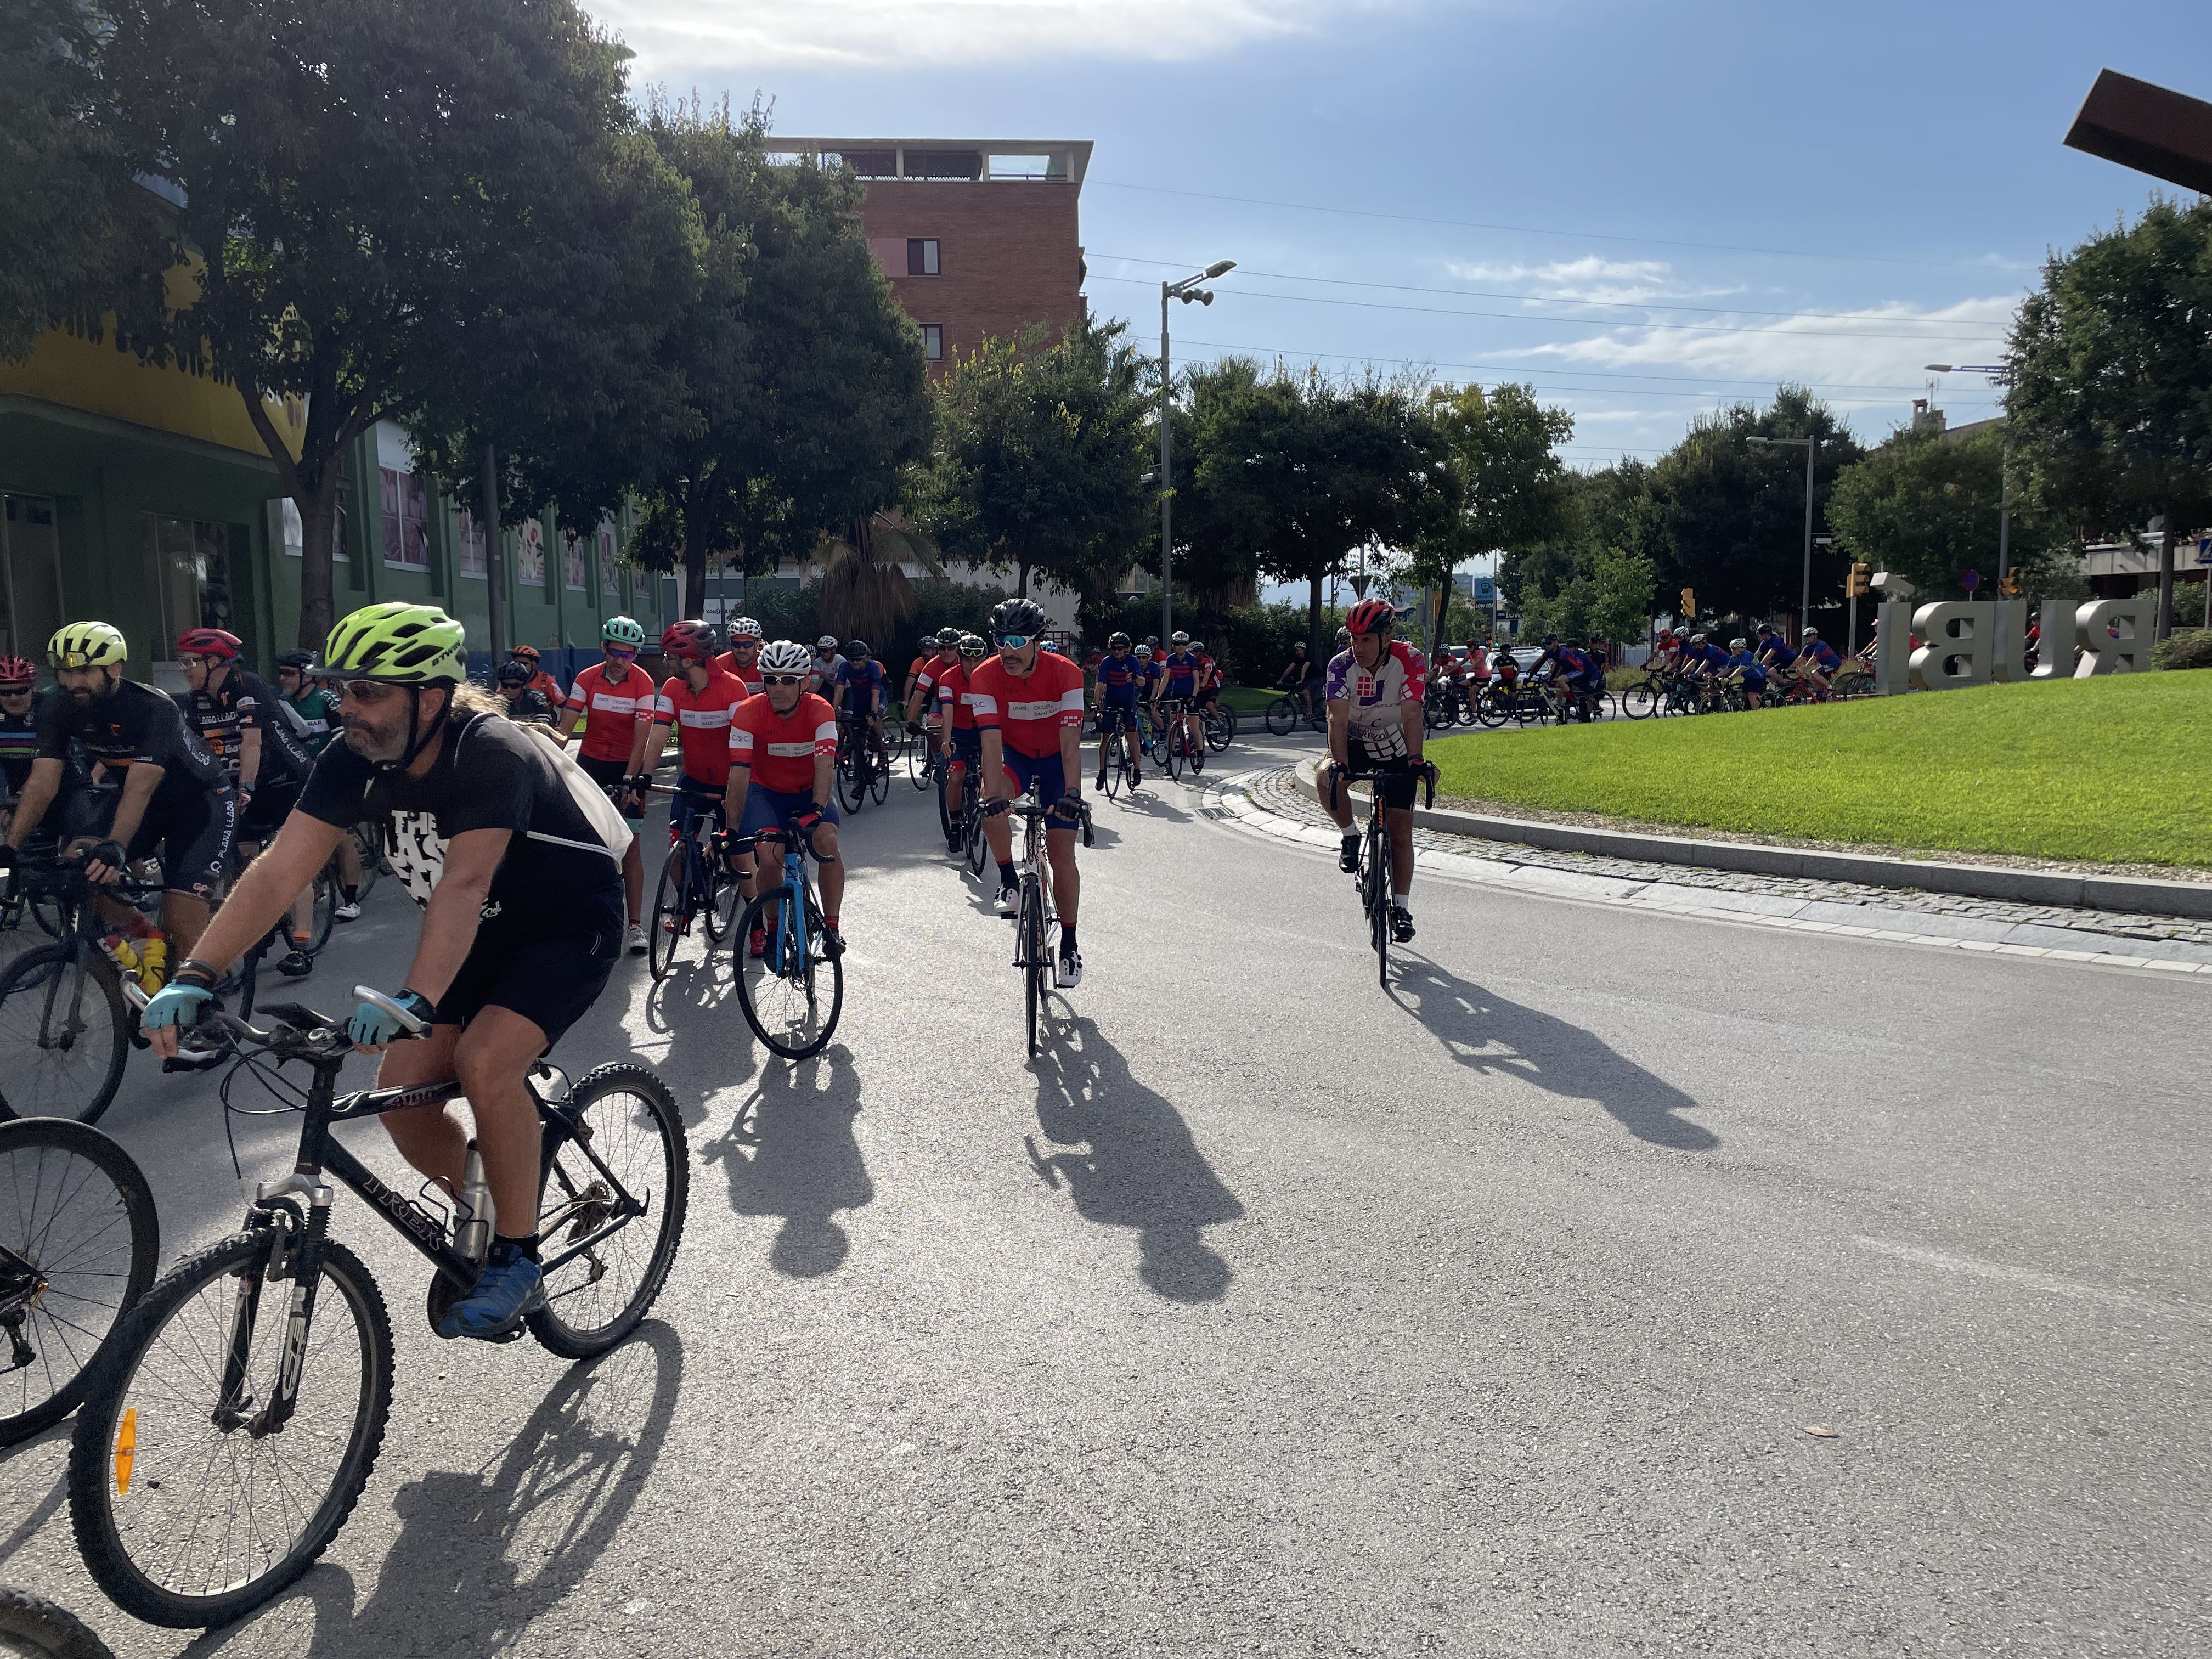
(1957, 653)
(2112, 636)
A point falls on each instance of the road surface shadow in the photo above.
(1485, 1032)
(791, 1153)
(481, 1554)
(1143, 1170)
(1148, 801)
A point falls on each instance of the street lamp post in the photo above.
(1996, 372)
(1812, 448)
(1186, 290)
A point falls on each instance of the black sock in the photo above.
(1006, 876)
(350, 894)
(527, 1247)
(1067, 938)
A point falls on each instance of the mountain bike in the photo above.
(1373, 879)
(79, 1243)
(65, 1029)
(224, 1445)
(783, 989)
(1037, 924)
(1288, 712)
(694, 885)
(36, 1627)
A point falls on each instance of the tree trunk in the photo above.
(2166, 539)
(1313, 614)
(1022, 579)
(319, 528)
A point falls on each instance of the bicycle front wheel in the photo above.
(64, 1033)
(671, 908)
(610, 1209)
(722, 896)
(192, 1507)
(1378, 899)
(791, 994)
(324, 915)
(1283, 716)
(82, 1240)
(918, 753)
(880, 774)
(1036, 961)
(979, 849)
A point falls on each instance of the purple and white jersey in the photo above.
(1376, 696)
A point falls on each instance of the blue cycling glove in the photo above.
(372, 1027)
(178, 1003)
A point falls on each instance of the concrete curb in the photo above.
(2128, 894)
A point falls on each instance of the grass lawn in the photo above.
(1247, 700)
(2117, 769)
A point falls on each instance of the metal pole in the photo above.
(494, 577)
(1167, 477)
(1805, 605)
(1852, 628)
(2004, 520)
(8, 566)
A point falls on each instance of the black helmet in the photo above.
(857, 648)
(1024, 617)
(515, 672)
(1118, 642)
(300, 662)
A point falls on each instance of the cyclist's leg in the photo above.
(193, 851)
(1399, 823)
(491, 1058)
(430, 1138)
(830, 872)
(1058, 844)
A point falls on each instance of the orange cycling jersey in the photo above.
(952, 693)
(780, 749)
(611, 709)
(702, 720)
(1028, 713)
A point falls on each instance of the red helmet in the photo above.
(18, 671)
(210, 642)
(688, 642)
(1371, 617)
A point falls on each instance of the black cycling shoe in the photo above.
(297, 965)
(1401, 925)
(832, 942)
(1347, 857)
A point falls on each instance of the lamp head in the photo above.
(1219, 267)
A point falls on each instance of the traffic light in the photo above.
(1859, 582)
(2008, 585)
(1689, 603)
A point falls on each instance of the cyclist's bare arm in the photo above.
(1339, 729)
(265, 891)
(39, 792)
(1409, 723)
(733, 797)
(567, 728)
(249, 756)
(640, 748)
(994, 764)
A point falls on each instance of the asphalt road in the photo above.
(1269, 1313)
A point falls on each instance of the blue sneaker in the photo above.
(510, 1285)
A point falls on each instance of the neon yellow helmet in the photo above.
(399, 644)
(621, 630)
(86, 645)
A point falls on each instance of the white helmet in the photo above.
(744, 629)
(785, 657)
(827, 645)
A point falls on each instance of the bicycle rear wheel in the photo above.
(670, 908)
(722, 896)
(879, 773)
(791, 995)
(368, 843)
(189, 1510)
(64, 1033)
(607, 1259)
(1110, 764)
(1283, 716)
(82, 1240)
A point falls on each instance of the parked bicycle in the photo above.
(224, 1446)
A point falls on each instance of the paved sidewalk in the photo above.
(1271, 802)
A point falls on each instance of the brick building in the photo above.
(979, 237)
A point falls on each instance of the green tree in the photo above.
(2111, 381)
(803, 395)
(1040, 460)
(1502, 484)
(360, 182)
(1927, 504)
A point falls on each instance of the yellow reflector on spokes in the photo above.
(127, 1448)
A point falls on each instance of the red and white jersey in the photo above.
(932, 670)
(780, 749)
(702, 720)
(1377, 695)
(748, 676)
(1028, 713)
(951, 691)
(611, 709)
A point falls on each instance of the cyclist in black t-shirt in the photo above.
(19, 698)
(238, 716)
(173, 795)
(522, 919)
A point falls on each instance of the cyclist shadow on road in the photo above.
(1148, 801)
(791, 1154)
(483, 1553)
(1483, 1032)
(1143, 1168)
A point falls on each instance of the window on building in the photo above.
(30, 574)
(932, 342)
(609, 578)
(530, 555)
(473, 562)
(190, 564)
(406, 511)
(921, 256)
(572, 562)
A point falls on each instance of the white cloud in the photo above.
(1880, 345)
(1590, 280)
(689, 35)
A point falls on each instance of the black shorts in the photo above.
(265, 813)
(603, 772)
(193, 841)
(550, 981)
(1395, 778)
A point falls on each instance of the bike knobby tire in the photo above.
(668, 905)
(31, 1625)
(1037, 962)
(63, 1188)
(153, 1464)
(47, 1068)
(632, 1131)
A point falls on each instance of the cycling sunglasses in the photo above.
(620, 652)
(783, 679)
(1014, 641)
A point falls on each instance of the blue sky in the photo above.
(1837, 195)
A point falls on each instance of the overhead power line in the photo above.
(1580, 322)
(1536, 230)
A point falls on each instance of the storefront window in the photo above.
(472, 560)
(530, 555)
(190, 563)
(30, 574)
(572, 562)
(406, 519)
(609, 578)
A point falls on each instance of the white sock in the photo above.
(1398, 901)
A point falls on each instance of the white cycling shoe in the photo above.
(1071, 971)
(1009, 901)
(634, 939)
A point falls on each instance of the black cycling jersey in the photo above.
(529, 708)
(133, 725)
(245, 702)
(490, 775)
(19, 747)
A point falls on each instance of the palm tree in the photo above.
(863, 593)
